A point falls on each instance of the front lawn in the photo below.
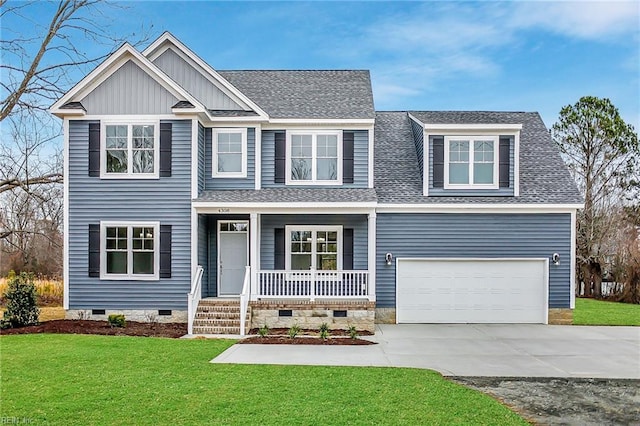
(79, 379)
(599, 312)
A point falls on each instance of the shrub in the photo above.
(324, 331)
(294, 331)
(117, 321)
(263, 331)
(353, 332)
(21, 300)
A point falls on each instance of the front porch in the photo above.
(318, 266)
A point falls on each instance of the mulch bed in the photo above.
(141, 329)
(280, 336)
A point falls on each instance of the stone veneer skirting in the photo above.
(561, 316)
(310, 315)
(138, 315)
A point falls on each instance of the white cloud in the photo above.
(585, 19)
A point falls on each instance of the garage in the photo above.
(471, 290)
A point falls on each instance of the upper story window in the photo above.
(229, 153)
(130, 150)
(314, 157)
(130, 250)
(471, 162)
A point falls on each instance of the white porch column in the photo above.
(372, 255)
(254, 252)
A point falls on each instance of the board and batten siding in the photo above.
(213, 183)
(129, 90)
(418, 139)
(270, 222)
(500, 192)
(194, 82)
(443, 235)
(167, 200)
(360, 161)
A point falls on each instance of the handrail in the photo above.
(244, 299)
(194, 297)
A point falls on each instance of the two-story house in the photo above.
(283, 197)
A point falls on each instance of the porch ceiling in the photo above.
(291, 195)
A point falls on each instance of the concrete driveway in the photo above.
(499, 350)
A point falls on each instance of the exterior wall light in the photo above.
(555, 257)
(388, 258)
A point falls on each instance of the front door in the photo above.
(233, 248)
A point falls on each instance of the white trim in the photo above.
(425, 163)
(371, 158)
(195, 228)
(371, 253)
(314, 229)
(195, 154)
(257, 157)
(110, 66)
(472, 126)
(477, 208)
(213, 207)
(254, 250)
(130, 276)
(187, 54)
(65, 249)
(218, 251)
(314, 138)
(215, 131)
(130, 122)
(482, 259)
(572, 262)
(471, 161)
(324, 121)
(416, 119)
(516, 165)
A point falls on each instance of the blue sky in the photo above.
(522, 56)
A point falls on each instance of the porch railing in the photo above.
(313, 284)
(194, 297)
(244, 299)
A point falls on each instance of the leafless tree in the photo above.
(41, 58)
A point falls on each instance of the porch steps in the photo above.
(218, 316)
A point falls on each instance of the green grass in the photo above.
(599, 312)
(89, 380)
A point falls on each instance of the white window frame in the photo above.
(471, 140)
(214, 152)
(314, 157)
(130, 275)
(314, 229)
(129, 122)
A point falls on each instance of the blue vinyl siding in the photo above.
(212, 183)
(357, 222)
(437, 235)
(501, 192)
(203, 252)
(418, 139)
(360, 163)
(167, 200)
(201, 159)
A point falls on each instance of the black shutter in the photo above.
(347, 157)
(165, 251)
(94, 250)
(94, 149)
(438, 161)
(347, 249)
(165, 149)
(504, 162)
(281, 157)
(278, 249)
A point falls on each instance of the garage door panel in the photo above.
(471, 291)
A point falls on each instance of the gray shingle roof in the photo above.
(73, 105)
(543, 176)
(231, 113)
(291, 195)
(307, 94)
(183, 104)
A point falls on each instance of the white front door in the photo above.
(233, 255)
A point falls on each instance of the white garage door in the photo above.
(471, 291)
